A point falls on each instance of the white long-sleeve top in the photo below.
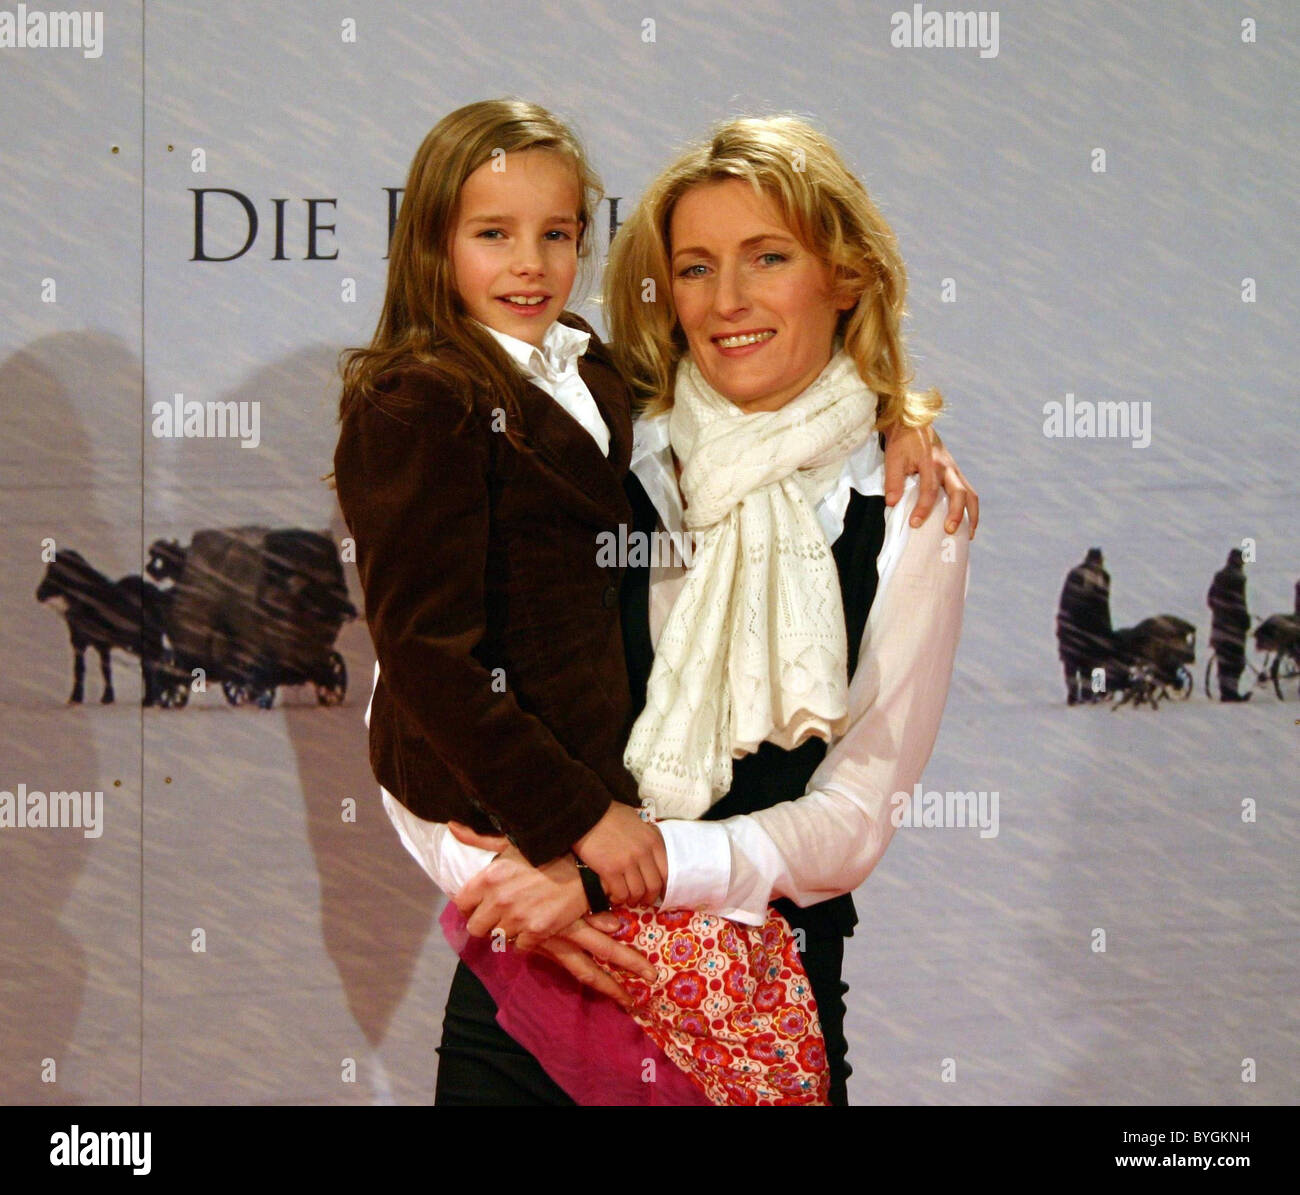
(826, 842)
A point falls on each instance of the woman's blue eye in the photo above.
(777, 257)
(687, 272)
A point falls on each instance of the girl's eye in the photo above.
(558, 234)
(491, 234)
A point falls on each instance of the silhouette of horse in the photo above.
(103, 614)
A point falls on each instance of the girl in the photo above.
(474, 498)
(484, 439)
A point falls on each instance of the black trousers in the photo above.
(480, 1065)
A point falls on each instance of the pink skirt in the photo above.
(729, 1020)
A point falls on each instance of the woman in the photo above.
(771, 279)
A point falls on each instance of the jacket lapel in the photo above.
(568, 448)
(612, 397)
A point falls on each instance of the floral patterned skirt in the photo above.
(731, 1013)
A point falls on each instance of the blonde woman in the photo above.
(791, 681)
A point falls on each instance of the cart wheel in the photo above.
(237, 693)
(173, 693)
(1183, 684)
(332, 692)
(1284, 671)
(1211, 675)
(173, 683)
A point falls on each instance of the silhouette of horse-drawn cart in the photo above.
(1152, 661)
(254, 609)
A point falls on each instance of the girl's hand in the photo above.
(529, 903)
(628, 854)
(918, 450)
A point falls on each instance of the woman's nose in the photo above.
(729, 293)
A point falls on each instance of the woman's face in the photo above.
(758, 309)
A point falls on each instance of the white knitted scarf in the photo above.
(754, 647)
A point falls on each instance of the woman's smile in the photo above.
(738, 343)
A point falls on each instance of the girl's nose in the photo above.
(528, 261)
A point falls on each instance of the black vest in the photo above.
(770, 775)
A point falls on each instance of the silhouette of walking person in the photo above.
(1083, 632)
(1230, 620)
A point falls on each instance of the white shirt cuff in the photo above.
(756, 866)
(699, 864)
(449, 863)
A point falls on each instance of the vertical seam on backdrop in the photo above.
(143, 400)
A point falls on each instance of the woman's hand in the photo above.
(628, 854)
(574, 945)
(577, 947)
(528, 903)
(919, 450)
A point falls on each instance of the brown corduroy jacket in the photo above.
(503, 698)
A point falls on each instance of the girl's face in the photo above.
(514, 244)
(757, 308)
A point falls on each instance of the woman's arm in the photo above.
(453, 865)
(826, 842)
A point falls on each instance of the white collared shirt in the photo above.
(553, 368)
(826, 842)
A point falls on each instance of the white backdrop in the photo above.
(1117, 284)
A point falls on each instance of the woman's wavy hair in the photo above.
(424, 319)
(825, 207)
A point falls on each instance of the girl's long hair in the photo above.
(424, 320)
(825, 207)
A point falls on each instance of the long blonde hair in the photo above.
(424, 319)
(825, 207)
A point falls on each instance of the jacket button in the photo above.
(609, 599)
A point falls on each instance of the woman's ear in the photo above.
(847, 289)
